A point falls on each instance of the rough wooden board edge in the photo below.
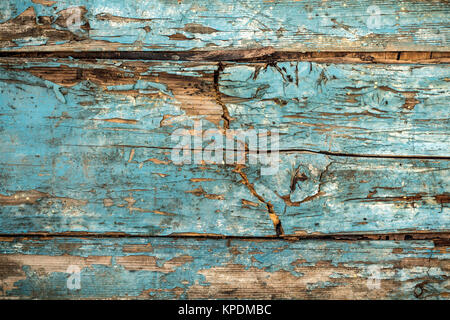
(441, 237)
(300, 25)
(267, 54)
(141, 268)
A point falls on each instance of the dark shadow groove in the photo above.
(438, 237)
(267, 55)
(328, 153)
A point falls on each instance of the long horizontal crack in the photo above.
(442, 238)
(329, 153)
(358, 155)
(267, 54)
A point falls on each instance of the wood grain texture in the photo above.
(100, 190)
(86, 147)
(399, 110)
(158, 268)
(350, 108)
(287, 25)
(356, 204)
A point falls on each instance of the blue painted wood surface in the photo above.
(348, 108)
(86, 148)
(381, 110)
(164, 268)
(357, 206)
(311, 25)
(97, 189)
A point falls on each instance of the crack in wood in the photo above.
(225, 113)
(302, 177)
(328, 153)
(273, 216)
(440, 239)
(267, 55)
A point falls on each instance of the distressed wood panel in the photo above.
(141, 191)
(210, 25)
(86, 147)
(186, 268)
(351, 108)
(88, 179)
(323, 107)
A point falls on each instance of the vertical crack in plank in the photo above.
(226, 125)
(319, 188)
(302, 177)
(273, 216)
(226, 115)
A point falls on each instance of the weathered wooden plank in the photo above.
(141, 191)
(158, 268)
(210, 25)
(86, 147)
(351, 108)
(339, 108)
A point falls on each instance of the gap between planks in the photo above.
(266, 54)
(439, 238)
